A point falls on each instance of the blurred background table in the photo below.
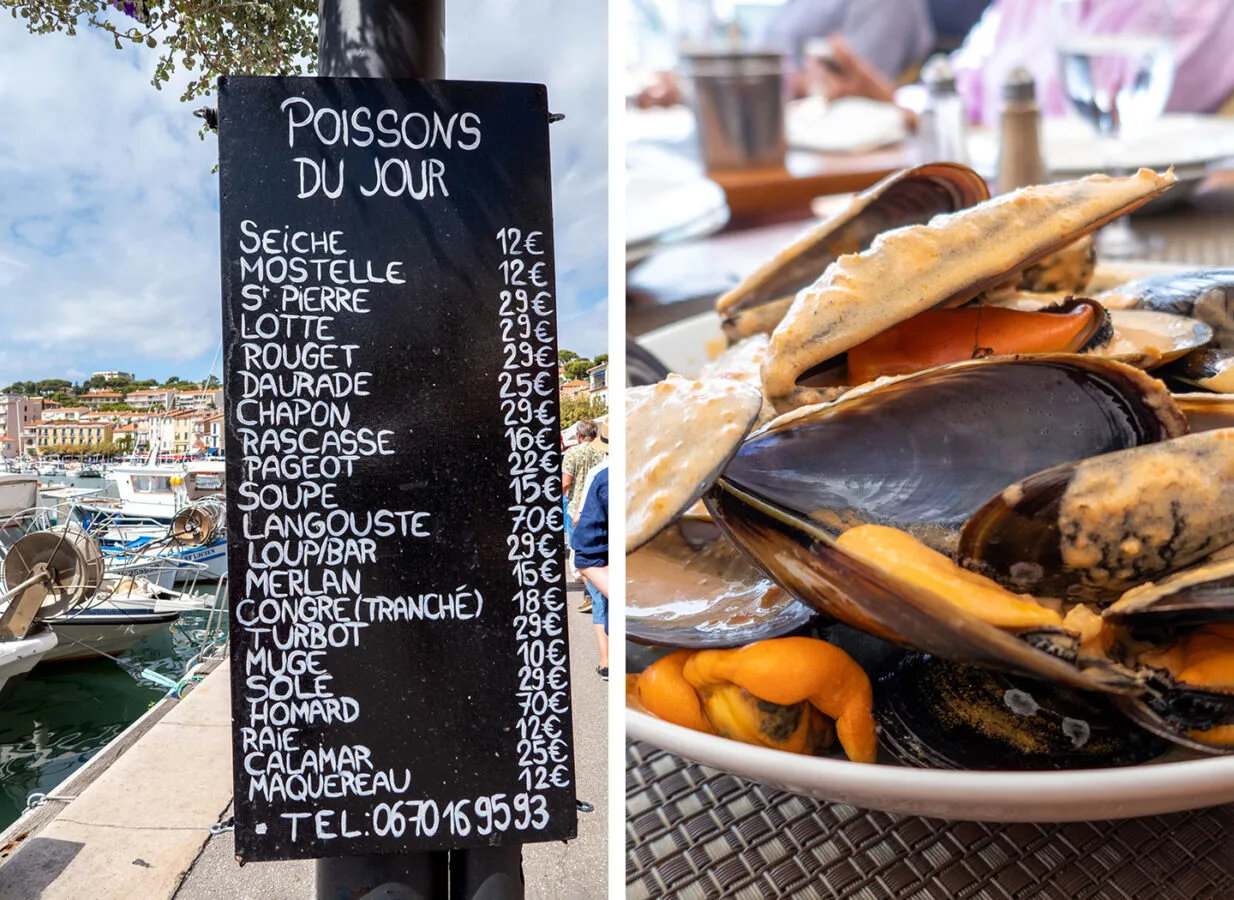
(693, 832)
(806, 175)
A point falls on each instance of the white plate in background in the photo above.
(668, 199)
(847, 125)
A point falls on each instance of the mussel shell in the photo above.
(923, 452)
(908, 197)
(939, 714)
(803, 559)
(1174, 714)
(1148, 338)
(946, 262)
(1204, 294)
(1205, 411)
(680, 594)
(1208, 368)
(1060, 533)
(684, 432)
(1189, 599)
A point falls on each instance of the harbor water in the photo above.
(66, 712)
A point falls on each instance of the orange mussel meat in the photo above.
(939, 336)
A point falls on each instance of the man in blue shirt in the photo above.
(590, 543)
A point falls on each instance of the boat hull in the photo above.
(111, 631)
(18, 657)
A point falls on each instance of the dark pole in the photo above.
(402, 39)
(381, 38)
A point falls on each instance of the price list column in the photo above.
(528, 385)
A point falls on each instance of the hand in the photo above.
(850, 75)
(663, 91)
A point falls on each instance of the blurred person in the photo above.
(590, 543)
(575, 464)
(1017, 33)
(953, 20)
(890, 37)
(893, 36)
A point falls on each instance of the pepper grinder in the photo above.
(1019, 146)
(941, 126)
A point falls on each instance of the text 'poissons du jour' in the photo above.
(421, 177)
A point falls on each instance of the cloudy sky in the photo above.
(109, 213)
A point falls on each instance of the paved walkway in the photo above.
(558, 871)
(136, 829)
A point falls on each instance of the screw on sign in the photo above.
(400, 668)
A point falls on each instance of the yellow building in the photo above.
(71, 434)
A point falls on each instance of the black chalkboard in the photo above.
(399, 658)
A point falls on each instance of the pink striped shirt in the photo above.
(1017, 33)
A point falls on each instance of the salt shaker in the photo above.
(941, 125)
(1019, 143)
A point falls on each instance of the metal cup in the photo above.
(738, 100)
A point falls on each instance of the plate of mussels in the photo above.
(932, 514)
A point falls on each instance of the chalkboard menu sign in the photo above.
(399, 658)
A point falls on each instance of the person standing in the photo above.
(590, 542)
(575, 464)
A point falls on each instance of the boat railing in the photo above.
(214, 635)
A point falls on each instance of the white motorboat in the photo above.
(19, 655)
(160, 491)
(125, 611)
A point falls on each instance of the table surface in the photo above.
(693, 832)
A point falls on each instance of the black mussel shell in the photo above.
(1193, 708)
(924, 452)
(938, 714)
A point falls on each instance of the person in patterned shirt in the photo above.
(575, 464)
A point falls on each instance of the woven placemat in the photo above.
(693, 833)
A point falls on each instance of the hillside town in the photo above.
(111, 414)
(583, 385)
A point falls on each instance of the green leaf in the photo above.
(151, 42)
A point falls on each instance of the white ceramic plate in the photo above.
(989, 796)
(668, 199)
(982, 796)
(848, 125)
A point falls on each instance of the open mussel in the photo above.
(946, 262)
(1178, 634)
(1204, 294)
(940, 336)
(909, 197)
(1096, 527)
(920, 453)
(925, 451)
